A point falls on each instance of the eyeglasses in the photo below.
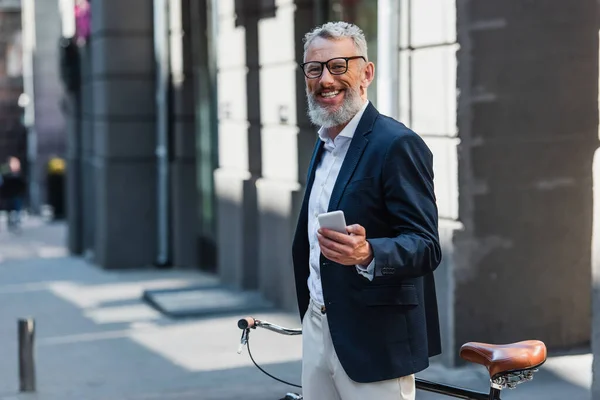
(336, 66)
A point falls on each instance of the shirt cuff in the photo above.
(367, 271)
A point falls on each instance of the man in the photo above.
(367, 298)
(13, 190)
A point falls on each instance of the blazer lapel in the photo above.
(314, 161)
(312, 168)
(357, 147)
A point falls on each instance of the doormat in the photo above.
(200, 301)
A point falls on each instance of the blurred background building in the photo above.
(13, 136)
(42, 101)
(188, 141)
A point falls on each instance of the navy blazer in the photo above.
(388, 327)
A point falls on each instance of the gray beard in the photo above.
(320, 116)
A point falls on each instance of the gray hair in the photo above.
(338, 30)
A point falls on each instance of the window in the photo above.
(363, 13)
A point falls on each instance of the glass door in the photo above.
(206, 129)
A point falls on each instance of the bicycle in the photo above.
(508, 365)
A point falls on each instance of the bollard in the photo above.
(26, 359)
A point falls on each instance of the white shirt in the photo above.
(326, 173)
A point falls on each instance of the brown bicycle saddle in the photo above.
(505, 357)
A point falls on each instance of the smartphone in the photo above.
(333, 220)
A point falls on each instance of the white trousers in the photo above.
(323, 377)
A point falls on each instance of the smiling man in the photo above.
(367, 298)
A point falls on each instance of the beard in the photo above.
(321, 116)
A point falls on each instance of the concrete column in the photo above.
(74, 182)
(124, 133)
(427, 104)
(88, 154)
(184, 201)
(239, 142)
(278, 69)
(528, 128)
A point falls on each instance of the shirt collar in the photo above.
(349, 129)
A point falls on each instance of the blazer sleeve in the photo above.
(414, 248)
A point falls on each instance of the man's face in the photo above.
(14, 164)
(334, 99)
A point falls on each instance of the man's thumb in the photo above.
(356, 229)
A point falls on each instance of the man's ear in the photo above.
(368, 74)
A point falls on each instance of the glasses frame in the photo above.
(325, 64)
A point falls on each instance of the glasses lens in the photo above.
(313, 70)
(338, 66)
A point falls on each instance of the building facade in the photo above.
(192, 145)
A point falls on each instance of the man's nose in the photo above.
(326, 77)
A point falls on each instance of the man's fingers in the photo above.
(329, 244)
(343, 243)
(336, 236)
(331, 254)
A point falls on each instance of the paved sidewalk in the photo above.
(95, 338)
(36, 239)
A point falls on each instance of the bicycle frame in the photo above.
(421, 384)
(456, 392)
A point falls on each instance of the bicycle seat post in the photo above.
(495, 391)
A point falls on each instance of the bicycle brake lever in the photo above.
(243, 340)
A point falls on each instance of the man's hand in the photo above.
(352, 249)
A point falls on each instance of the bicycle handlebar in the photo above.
(246, 323)
(251, 323)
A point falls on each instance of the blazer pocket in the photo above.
(360, 184)
(391, 295)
